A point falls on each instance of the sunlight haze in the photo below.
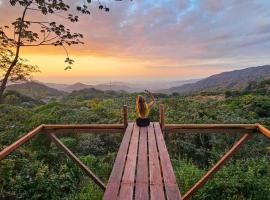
(167, 40)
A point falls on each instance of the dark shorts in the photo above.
(142, 122)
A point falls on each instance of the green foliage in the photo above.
(15, 98)
(39, 170)
(244, 179)
(26, 177)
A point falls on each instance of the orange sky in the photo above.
(154, 40)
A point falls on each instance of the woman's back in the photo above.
(143, 109)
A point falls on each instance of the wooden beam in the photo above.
(162, 117)
(217, 166)
(263, 130)
(125, 116)
(8, 150)
(83, 167)
(84, 131)
(83, 126)
(210, 131)
(210, 128)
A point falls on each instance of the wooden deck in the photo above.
(142, 169)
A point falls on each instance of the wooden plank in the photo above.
(208, 130)
(83, 167)
(113, 185)
(156, 184)
(85, 131)
(8, 150)
(263, 130)
(211, 126)
(217, 166)
(171, 187)
(83, 126)
(128, 180)
(141, 191)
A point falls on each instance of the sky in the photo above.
(150, 40)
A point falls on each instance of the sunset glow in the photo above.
(157, 40)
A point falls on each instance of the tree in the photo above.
(22, 70)
(49, 33)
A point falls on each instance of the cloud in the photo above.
(177, 33)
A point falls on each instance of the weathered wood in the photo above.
(8, 150)
(83, 167)
(161, 117)
(125, 116)
(208, 131)
(263, 130)
(85, 131)
(171, 187)
(217, 166)
(210, 128)
(156, 184)
(128, 179)
(142, 168)
(113, 185)
(83, 126)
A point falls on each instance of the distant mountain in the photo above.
(90, 93)
(57, 86)
(76, 87)
(121, 86)
(35, 90)
(116, 86)
(233, 80)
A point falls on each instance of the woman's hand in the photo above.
(147, 91)
(151, 95)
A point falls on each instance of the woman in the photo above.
(143, 109)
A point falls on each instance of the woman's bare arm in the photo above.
(152, 97)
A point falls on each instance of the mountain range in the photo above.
(35, 90)
(232, 80)
(121, 86)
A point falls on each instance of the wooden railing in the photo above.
(51, 130)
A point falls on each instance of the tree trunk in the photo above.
(5, 79)
(15, 60)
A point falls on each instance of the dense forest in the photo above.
(39, 170)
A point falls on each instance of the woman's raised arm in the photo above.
(150, 104)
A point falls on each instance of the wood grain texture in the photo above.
(141, 191)
(114, 182)
(171, 187)
(128, 180)
(156, 184)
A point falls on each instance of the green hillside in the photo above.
(232, 80)
(39, 165)
(35, 90)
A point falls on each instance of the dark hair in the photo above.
(141, 104)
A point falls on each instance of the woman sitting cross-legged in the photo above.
(143, 109)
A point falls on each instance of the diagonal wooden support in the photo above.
(8, 150)
(83, 167)
(217, 166)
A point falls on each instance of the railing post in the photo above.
(125, 116)
(161, 117)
